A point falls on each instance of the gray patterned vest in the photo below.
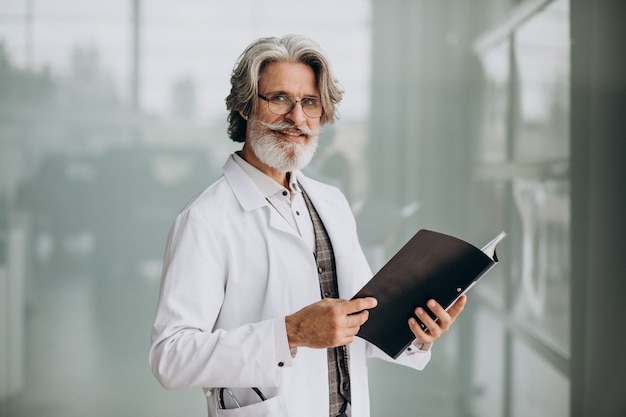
(338, 373)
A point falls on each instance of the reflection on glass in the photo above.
(493, 138)
(539, 389)
(542, 295)
(541, 190)
(488, 371)
(491, 214)
(90, 181)
(542, 59)
(523, 168)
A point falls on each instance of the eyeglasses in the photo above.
(281, 104)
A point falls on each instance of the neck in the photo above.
(279, 176)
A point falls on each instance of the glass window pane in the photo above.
(542, 270)
(90, 183)
(489, 211)
(543, 59)
(538, 388)
(541, 192)
(493, 139)
(488, 365)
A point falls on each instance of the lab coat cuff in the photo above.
(418, 346)
(283, 354)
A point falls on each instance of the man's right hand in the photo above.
(328, 323)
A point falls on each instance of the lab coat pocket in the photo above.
(271, 407)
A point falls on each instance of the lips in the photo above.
(292, 133)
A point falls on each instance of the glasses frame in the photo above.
(293, 101)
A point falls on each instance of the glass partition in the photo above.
(112, 117)
(528, 179)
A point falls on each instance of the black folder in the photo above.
(430, 265)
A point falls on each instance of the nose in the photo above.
(296, 114)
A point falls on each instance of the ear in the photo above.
(243, 116)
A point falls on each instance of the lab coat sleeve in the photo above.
(187, 349)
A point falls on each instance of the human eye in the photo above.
(310, 102)
(280, 99)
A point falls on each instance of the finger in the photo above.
(419, 333)
(357, 319)
(360, 304)
(444, 318)
(433, 328)
(435, 307)
(345, 335)
(457, 307)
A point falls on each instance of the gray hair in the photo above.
(250, 65)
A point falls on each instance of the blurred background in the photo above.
(464, 117)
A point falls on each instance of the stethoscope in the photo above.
(232, 397)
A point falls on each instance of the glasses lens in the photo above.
(312, 107)
(281, 104)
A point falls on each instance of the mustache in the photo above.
(283, 125)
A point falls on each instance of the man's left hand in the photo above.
(435, 328)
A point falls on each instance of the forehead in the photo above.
(288, 77)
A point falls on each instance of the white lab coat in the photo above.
(233, 269)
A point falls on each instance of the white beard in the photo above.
(282, 155)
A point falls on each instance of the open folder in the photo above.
(430, 265)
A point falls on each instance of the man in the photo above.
(259, 268)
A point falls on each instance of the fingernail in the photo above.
(420, 311)
(431, 303)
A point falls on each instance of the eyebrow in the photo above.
(285, 93)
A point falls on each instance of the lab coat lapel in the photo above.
(279, 223)
(250, 197)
